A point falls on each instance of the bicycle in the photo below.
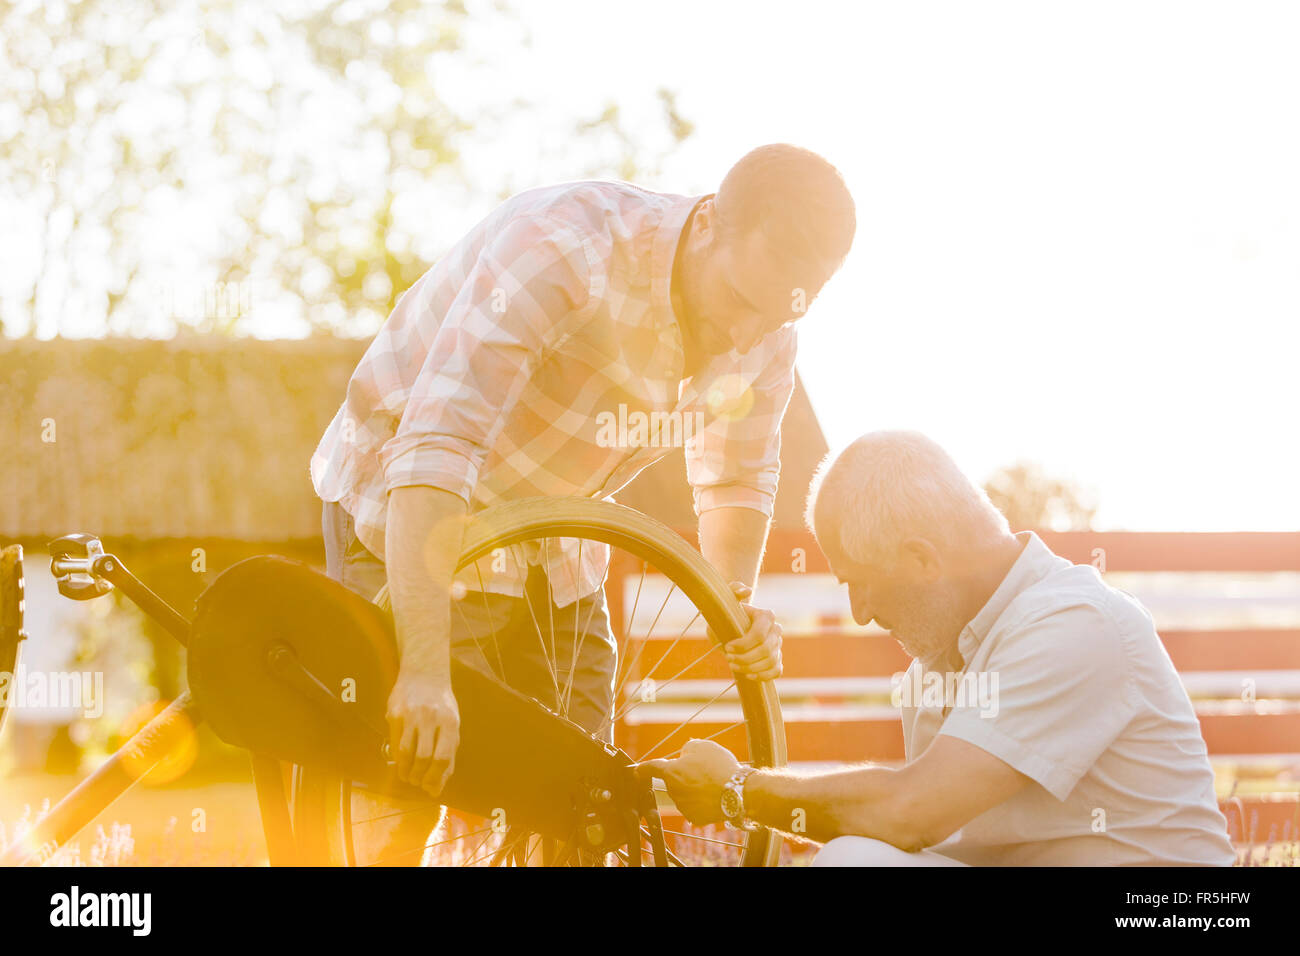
(290, 665)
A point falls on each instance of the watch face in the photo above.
(730, 803)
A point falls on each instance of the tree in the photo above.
(250, 167)
(1030, 498)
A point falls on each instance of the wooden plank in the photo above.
(1179, 551)
(1250, 733)
(1204, 687)
(822, 655)
(1118, 550)
(858, 654)
(882, 739)
(838, 652)
(1261, 817)
(1238, 650)
(823, 740)
(1273, 816)
(789, 551)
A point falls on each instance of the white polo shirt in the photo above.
(1079, 694)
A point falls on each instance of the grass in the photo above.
(217, 823)
(209, 824)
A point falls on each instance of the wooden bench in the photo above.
(1244, 680)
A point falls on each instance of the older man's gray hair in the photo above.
(892, 485)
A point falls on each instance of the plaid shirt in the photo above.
(542, 356)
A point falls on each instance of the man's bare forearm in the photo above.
(423, 536)
(732, 540)
(858, 801)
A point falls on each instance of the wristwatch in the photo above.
(733, 800)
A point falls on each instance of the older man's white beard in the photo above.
(929, 626)
(925, 647)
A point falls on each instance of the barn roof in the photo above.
(210, 438)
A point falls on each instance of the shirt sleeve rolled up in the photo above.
(735, 461)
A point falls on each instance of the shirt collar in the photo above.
(664, 253)
(1036, 560)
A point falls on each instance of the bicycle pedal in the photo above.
(72, 562)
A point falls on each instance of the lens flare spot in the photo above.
(167, 752)
(730, 398)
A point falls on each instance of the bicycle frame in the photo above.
(84, 571)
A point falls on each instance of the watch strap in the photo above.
(736, 785)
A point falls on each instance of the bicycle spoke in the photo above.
(640, 650)
(472, 633)
(668, 736)
(506, 849)
(533, 533)
(555, 680)
(696, 836)
(550, 611)
(474, 858)
(677, 640)
(631, 618)
(673, 858)
(429, 846)
(388, 816)
(491, 620)
(624, 856)
(716, 733)
(637, 701)
(581, 636)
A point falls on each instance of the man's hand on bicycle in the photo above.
(757, 653)
(424, 728)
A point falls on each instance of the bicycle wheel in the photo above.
(693, 693)
(11, 621)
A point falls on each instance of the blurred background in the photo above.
(1077, 267)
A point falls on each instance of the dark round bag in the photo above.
(343, 640)
(514, 754)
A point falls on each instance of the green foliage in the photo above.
(251, 167)
(191, 438)
(1030, 498)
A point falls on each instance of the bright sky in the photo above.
(1079, 224)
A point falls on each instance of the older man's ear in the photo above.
(921, 558)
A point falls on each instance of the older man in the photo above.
(1083, 747)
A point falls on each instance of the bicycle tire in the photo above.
(321, 798)
(11, 622)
